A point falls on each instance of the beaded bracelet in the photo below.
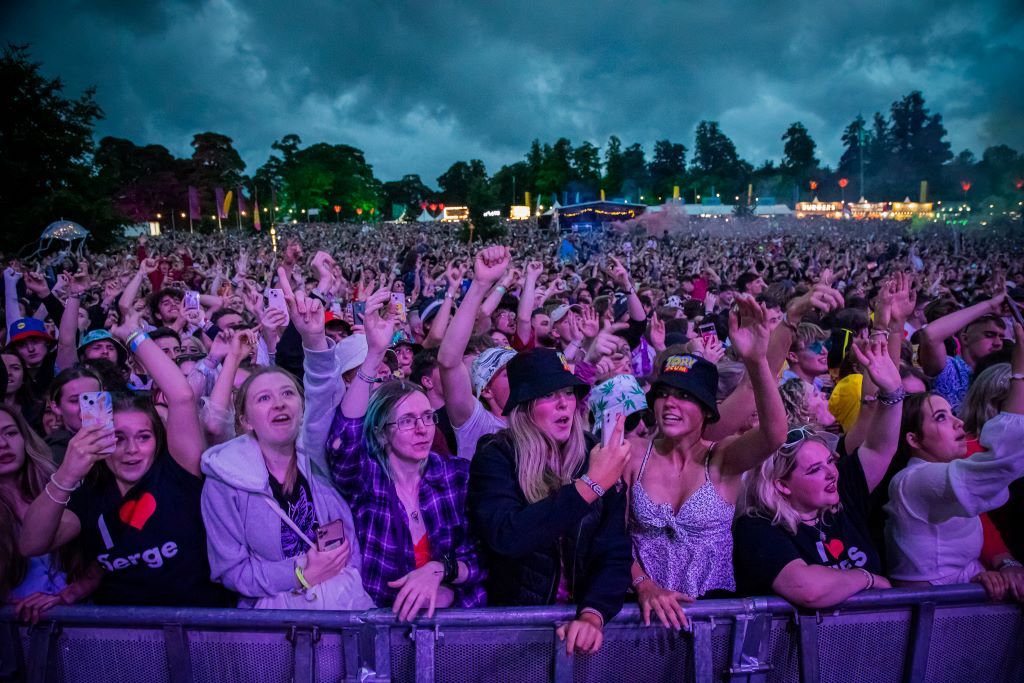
(893, 398)
(46, 490)
(54, 481)
(367, 378)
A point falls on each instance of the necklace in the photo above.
(815, 523)
(412, 511)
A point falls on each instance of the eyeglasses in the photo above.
(408, 422)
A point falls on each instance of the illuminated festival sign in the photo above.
(519, 213)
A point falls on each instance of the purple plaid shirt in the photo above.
(380, 522)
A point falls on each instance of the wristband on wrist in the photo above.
(451, 568)
(594, 486)
(869, 576)
(136, 338)
(302, 578)
(591, 610)
(366, 378)
(893, 398)
(1009, 562)
(637, 581)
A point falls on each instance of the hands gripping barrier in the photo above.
(936, 634)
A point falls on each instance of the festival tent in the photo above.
(425, 217)
(772, 210)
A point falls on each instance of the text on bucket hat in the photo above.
(693, 375)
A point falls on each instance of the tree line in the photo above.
(51, 167)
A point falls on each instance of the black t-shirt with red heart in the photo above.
(761, 550)
(151, 542)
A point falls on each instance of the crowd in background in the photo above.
(356, 416)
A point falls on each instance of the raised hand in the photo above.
(589, 321)
(749, 330)
(378, 327)
(874, 358)
(656, 332)
(619, 273)
(534, 269)
(36, 283)
(491, 263)
(306, 313)
(820, 297)
(904, 298)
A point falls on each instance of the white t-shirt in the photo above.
(481, 423)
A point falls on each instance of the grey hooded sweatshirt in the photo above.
(243, 532)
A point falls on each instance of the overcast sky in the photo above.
(419, 85)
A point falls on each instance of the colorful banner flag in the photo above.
(242, 208)
(256, 215)
(227, 204)
(218, 198)
(195, 212)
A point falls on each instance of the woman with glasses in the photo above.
(409, 503)
(683, 487)
(802, 530)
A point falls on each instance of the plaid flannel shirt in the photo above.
(379, 519)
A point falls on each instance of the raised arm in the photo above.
(185, 438)
(379, 331)
(882, 434)
(67, 346)
(749, 333)
(621, 276)
(444, 314)
(131, 291)
(932, 349)
(524, 315)
(490, 264)
(12, 309)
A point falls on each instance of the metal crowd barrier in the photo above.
(944, 634)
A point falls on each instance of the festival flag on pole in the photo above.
(218, 195)
(241, 200)
(227, 204)
(194, 211)
(256, 214)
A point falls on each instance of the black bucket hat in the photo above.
(537, 373)
(693, 375)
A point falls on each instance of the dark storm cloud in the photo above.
(420, 85)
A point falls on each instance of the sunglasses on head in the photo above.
(797, 435)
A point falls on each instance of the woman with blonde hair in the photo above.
(548, 503)
(802, 525)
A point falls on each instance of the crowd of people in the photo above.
(364, 416)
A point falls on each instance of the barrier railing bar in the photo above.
(10, 651)
(514, 616)
(350, 647)
(304, 657)
(750, 635)
(40, 663)
(703, 661)
(425, 639)
(810, 670)
(179, 660)
(382, 654)
(921, 626)
(564, 664)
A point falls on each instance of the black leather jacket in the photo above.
(526, 545)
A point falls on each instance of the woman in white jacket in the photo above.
(933, 529)
(267, 493)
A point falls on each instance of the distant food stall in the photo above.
(455, 213)
(908, 210)
(863, 209)
(819, 209)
